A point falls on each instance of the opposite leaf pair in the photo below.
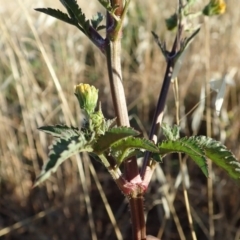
(98, 137)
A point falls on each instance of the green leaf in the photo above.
(60, 130)
(62, 149)
(185, 145)
(172, 22)
(97, 19)
(101, 27)
(75, 12)
(72, 7)
(111, 136)
(64, 3)
(124, 148)
(132, 142)
(57, 14)
(171, 133)
(220, 155)
(77, 17)
(201, 147)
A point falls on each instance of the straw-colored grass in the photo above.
(42, 59)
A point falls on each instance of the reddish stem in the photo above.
(137, 217)
(118, 3)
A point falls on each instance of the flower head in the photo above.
(87, 97)
(215, 7)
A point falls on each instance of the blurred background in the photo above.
(41, 59)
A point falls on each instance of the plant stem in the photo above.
(209, 131)
(113, 54)
(118, 3)
(158, 115)
(115, 172)
(137, 217)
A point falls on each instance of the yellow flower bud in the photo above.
(87, 97)
(215, 7)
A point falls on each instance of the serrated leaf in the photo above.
(156, 157)
(60, 130)
(124, 148)
(72, 7)
(133, 142)
(220, 155)
(57, 14)
(101, 27)
(111, 136)
(188, 146)
(75, 12)
(62, 149)
(171, 133)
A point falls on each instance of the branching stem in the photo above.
(158, 115)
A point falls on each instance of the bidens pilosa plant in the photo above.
(113, 141)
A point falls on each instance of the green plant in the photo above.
(120, 145)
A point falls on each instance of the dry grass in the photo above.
(42, 59)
